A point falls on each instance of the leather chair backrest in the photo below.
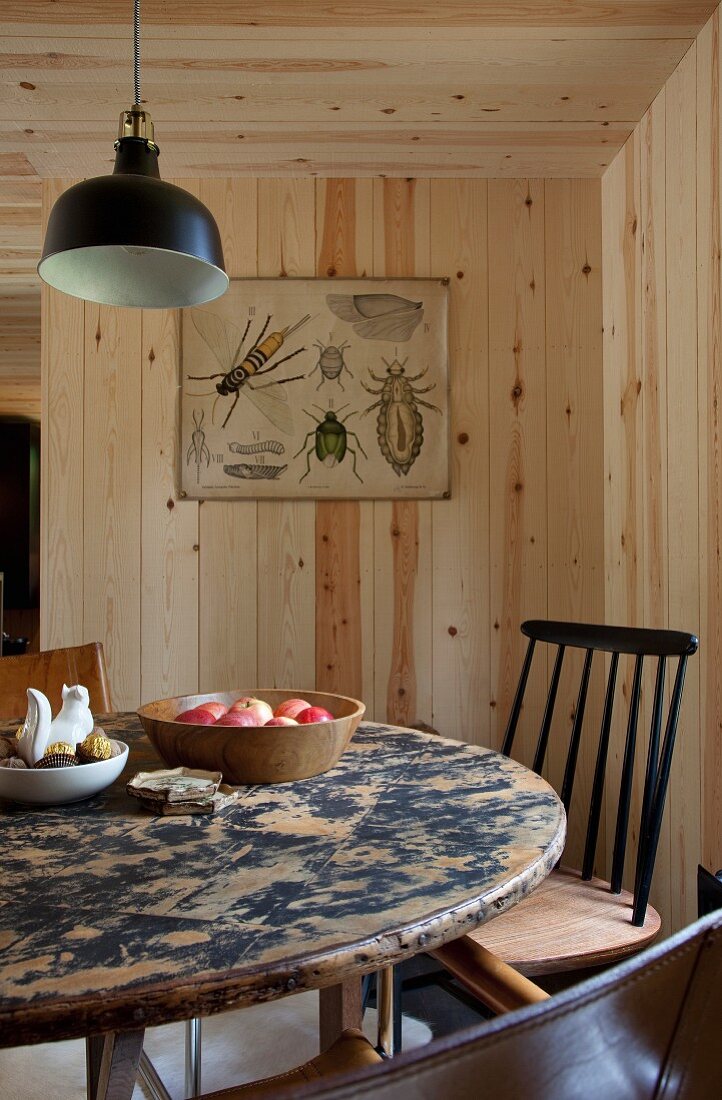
(48, 671)
(648, 1028)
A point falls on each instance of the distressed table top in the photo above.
(112, 919)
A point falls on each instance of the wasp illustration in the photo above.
(331, 363)
(268, 397)
(330, 441)
(198, 449)
(400, 426)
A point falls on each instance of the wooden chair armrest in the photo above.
(492, 981)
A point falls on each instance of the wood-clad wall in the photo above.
(661, 210)
(413, 606)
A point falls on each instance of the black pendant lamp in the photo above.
(130, 239)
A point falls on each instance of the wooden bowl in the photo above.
(253, 754)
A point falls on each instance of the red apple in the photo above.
(290, 708)
(243, 702)
(279, 720)
(239, 718)
(196, 717)
(313, 714)
(262, 710)
(216, 709)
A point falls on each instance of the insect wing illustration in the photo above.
(330, 441)
(400, 425)
(331, 362)
(198, 449)
(236, 373)
(378, 316)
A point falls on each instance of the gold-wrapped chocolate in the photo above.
(94, 747)
(62, 747)
(58, 755)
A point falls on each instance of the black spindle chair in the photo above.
(574, 920)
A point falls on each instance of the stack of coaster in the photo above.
(181, 791)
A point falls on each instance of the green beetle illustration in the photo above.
(330, 440)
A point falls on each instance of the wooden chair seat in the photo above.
(352, 1051)
(567, 924)
(48, 671)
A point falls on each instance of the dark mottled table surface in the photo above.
(112, 918)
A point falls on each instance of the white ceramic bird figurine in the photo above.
(72, 725)
(34, 734)
(74, 721)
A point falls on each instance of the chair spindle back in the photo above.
(612, 640)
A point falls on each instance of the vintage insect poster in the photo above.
(316, 388)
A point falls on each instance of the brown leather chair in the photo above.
(648, 1028)
(48, 671)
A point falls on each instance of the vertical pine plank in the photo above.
(402, 529)
(344, 545)
(286, 530)
(517, 445)
(574, 447)
(624, 450)
(112, 494)
(62, 377)
(460, 591)
(709, 313)
(683, 466)
(228, 581)
(169, 526)
(653, 554)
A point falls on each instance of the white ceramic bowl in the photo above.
(56, 786)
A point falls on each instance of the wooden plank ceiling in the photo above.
(314, 87)
(318, 87)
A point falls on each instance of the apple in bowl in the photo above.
(290, 708)
(260, 710)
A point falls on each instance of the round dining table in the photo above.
(113, 919)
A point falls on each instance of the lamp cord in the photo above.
(136, 50)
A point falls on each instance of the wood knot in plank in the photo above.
(170, 504)
(463, 437)
(27, 85)
(453, 631)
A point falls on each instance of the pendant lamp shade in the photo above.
(131, 239)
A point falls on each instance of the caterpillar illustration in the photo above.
(267, 446)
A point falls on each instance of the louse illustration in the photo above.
(198, 449)
(268, 397)
(330, 440)
(331, 362)
(400, 425)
